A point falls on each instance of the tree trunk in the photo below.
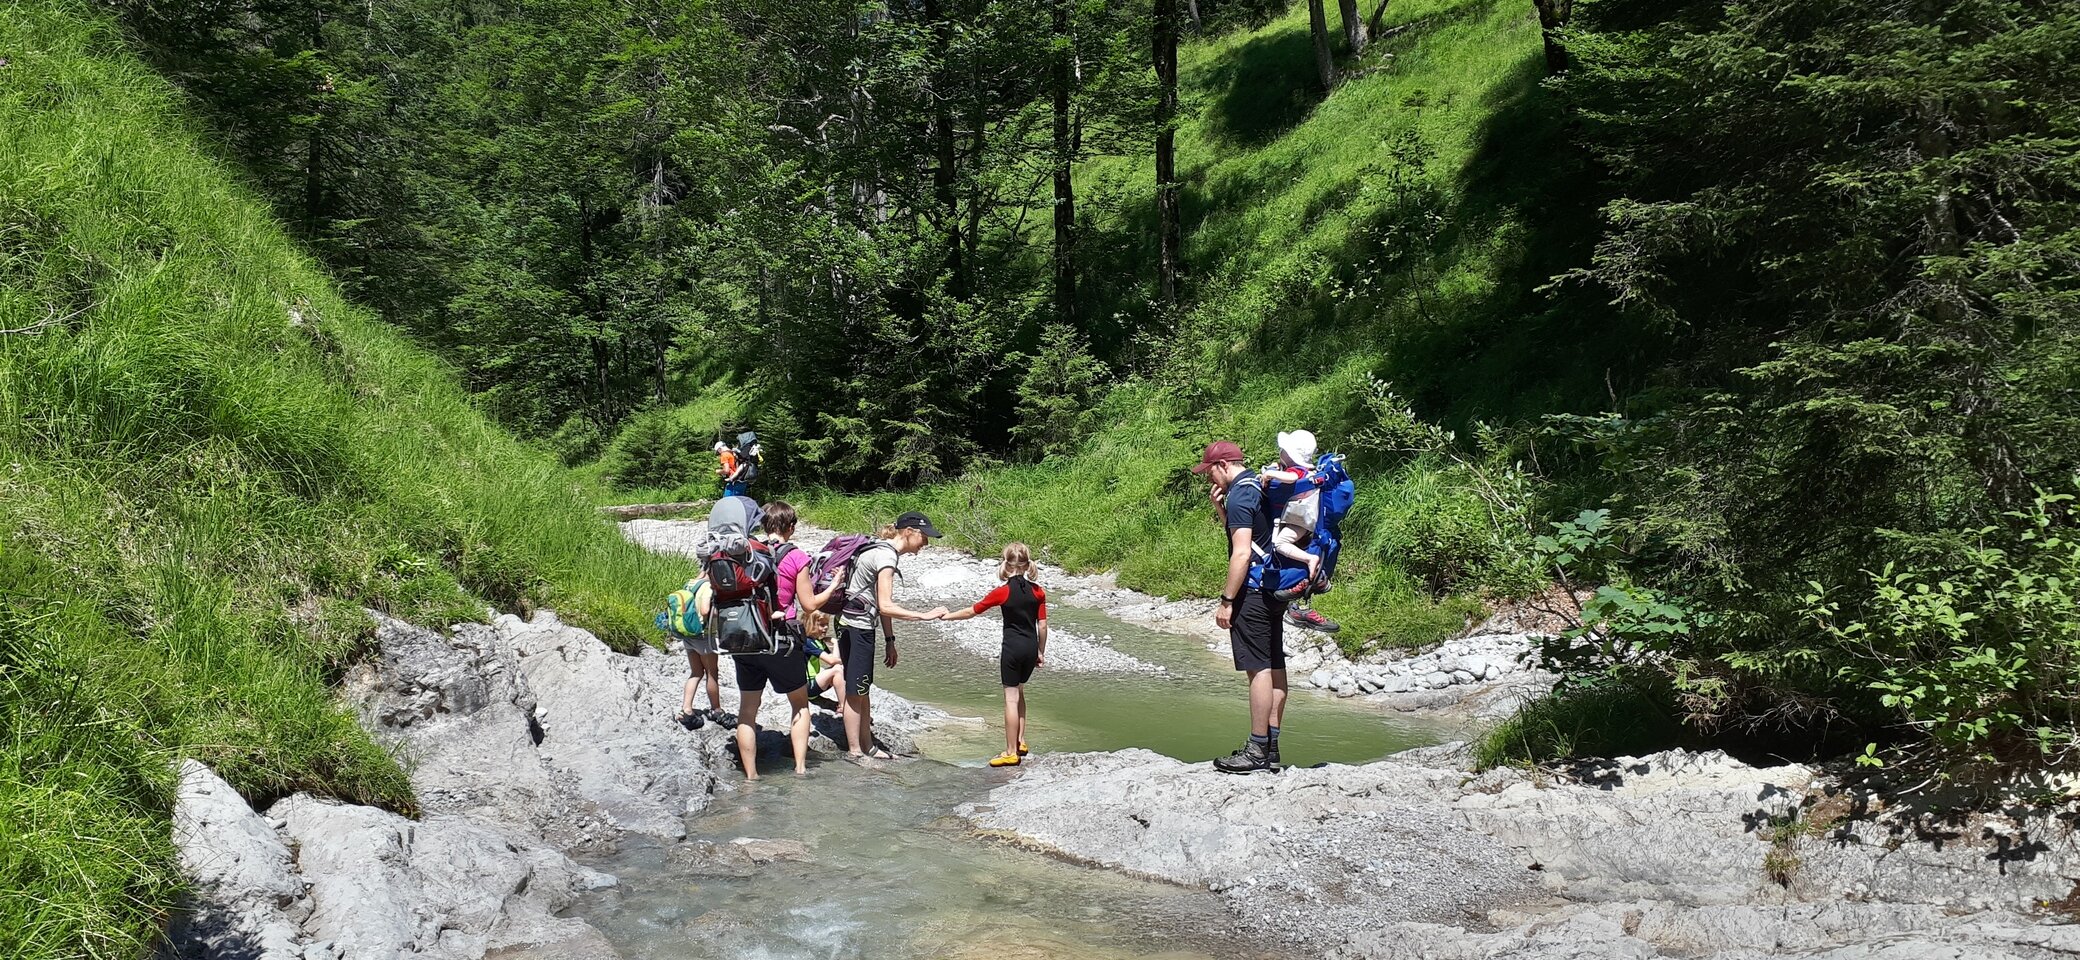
(1354, 35)
(1324, 61)
(314, 143)
(1064, 184)
(1552, 16)
(1167, 227)
(942, 146)
(1192, 7)
(1378, 20)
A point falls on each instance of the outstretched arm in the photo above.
(995, 598)
(884, 594)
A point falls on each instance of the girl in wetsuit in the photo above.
(1025, 641)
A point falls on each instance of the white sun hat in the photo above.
(1298, 447)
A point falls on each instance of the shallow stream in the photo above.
(894, 875)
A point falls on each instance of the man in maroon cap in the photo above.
(1254, 619)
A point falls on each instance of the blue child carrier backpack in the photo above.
(1330, 481)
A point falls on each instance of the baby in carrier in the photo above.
(1295, 529)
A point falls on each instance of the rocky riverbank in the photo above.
(1677, 854)
(528, 742)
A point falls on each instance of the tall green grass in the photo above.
(209, 462)
(1373, 232)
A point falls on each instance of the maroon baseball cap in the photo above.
(1219, 451)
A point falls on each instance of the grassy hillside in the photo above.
(1395, 229)
(208, 463)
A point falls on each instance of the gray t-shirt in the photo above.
(860, 591)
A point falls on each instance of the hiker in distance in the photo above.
(1253, 617)
(870, 604)
(1025, 641)
(738, 464)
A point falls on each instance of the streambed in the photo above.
(889, 871)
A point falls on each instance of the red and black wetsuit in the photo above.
(1025, 605)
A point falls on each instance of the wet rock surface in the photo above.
(528, 742)
(1689, 854)
(318, 880)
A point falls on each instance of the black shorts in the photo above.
(856, 648)
(1019, 659)
(784, 672)
(1257, 632)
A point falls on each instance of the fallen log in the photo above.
(632, 511)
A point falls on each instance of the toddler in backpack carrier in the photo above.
(1312, 501)
(740, 574)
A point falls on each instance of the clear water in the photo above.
(894, 875)
(1198, 711)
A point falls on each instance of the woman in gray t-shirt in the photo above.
(870, 603)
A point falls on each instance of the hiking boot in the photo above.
(1312, 619)
(1290, 594)
(1250, 759)
(1271, 756)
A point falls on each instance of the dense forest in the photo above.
(1747, 333)
(1784, 290)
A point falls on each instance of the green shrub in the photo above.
(1605, 718)
(1979, 650)
(657, 449)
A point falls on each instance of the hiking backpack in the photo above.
(836, 560)
(741, 590)
(680, 615)
(748, 454)
(1331, 481)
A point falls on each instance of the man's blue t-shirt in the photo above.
(1246, 510)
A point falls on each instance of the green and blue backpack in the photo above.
(680, 616)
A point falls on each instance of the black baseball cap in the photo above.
(919, 522)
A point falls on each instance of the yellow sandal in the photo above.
(1004, 760)
(1023, 749)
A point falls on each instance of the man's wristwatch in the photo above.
(1230, 601)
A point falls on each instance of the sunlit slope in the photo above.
(208, 463)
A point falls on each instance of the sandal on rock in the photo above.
(1005, 760)
(880, 754)
(691, 721)
(722, 717)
